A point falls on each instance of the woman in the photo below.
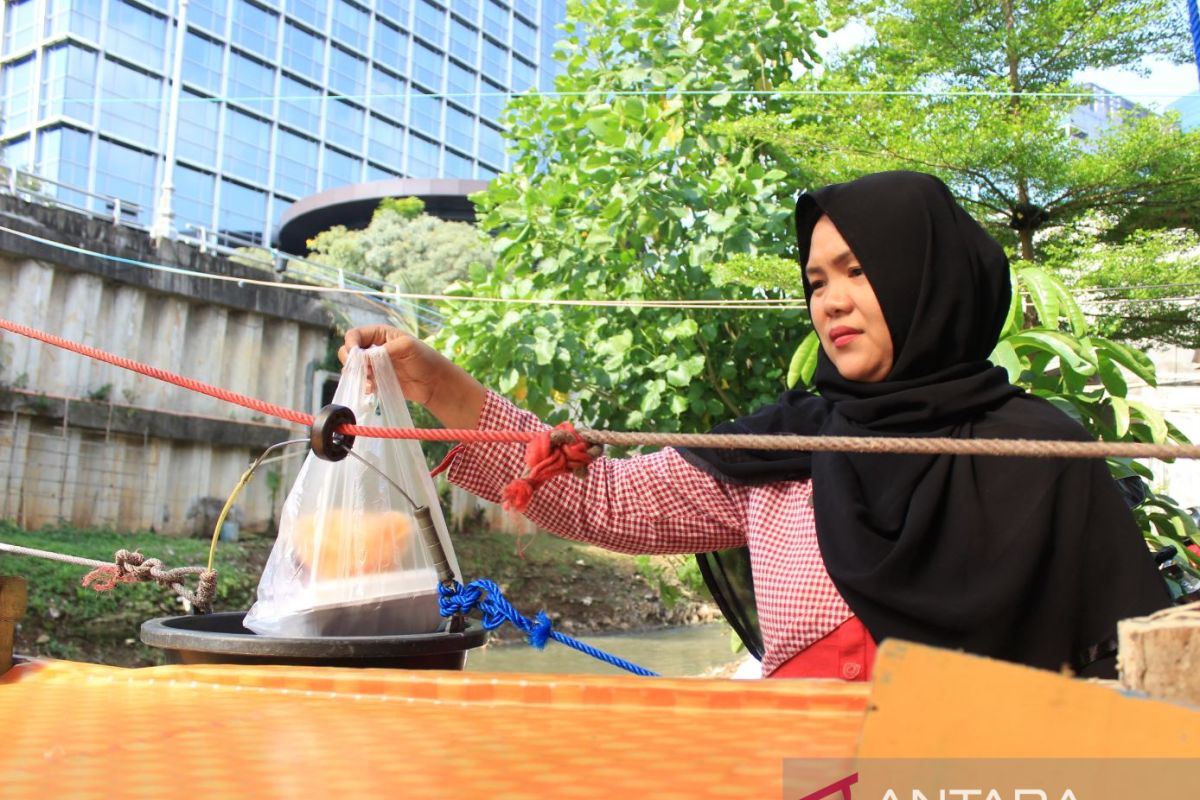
(1028, 560)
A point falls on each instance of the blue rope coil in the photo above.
(496, 609)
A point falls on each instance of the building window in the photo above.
(65, 157)
(18, 95)
(129, 103)
(495, 62)
(524, 75)
(209, 14)
(386, 142)
(378, 173)
(347, 73)
(202, 62)
(68, 83)
(387, 95)
(426, 114)
(299, 105)
(295, 163)
(343, 124)
(255, 29)
(427, 66)
(524, 39)
(456, 165)
(484, 172)
(196, 138)
(526, 8)
(339, 169)
(464, 42)
(20, 26)
(492, 100)
(78, 17)
(192, 201)
(243, 213)
(351, 25)
(247, 146)
(125, 173)
(395, 10)
(422, 157)
(311, 12)
(495, 20)
(467, 9)
(17, 153)
(251, 83)
(136, 35)
(491, 145)
(391, 46)
(460, 129)
(430, 22)
(303, 52)
(460, 84)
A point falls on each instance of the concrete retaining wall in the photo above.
(93, 444)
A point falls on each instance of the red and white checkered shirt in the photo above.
(658, 504)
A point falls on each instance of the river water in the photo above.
(685, 651)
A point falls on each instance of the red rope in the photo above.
(163, 375)
(291, 415)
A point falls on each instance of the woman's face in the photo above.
(844, 309)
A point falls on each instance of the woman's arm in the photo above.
(657, 503)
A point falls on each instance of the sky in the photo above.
(1164, 84)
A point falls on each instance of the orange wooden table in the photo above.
(79, 731)
(931, 717)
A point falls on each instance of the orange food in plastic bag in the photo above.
(375, 543)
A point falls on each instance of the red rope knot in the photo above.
(555, 451)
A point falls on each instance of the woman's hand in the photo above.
(426, 376)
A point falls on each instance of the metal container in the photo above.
(222, 639)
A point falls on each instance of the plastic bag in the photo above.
(349, 560)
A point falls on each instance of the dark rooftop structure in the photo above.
(353, 206)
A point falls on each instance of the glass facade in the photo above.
(278, 98)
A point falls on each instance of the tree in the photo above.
(1141, 290)
(405, 246)
(619, 192)
(979, 93)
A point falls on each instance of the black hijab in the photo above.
(1028, 560)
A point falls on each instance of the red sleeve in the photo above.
(657, 503)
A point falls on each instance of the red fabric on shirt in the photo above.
(848, 652)
(659, 503)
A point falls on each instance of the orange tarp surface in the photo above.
(75, 730)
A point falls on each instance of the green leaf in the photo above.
(720, 100)
(1064, 347)
(804, 361)
(1044, 295)
(1120, 409)
(508, 380)
(1005, 355)
(1137, 363)
(1153, 419)
(1110, 375)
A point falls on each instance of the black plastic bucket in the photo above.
(222, 639)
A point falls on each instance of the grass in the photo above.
(66, 620)
(584, 588)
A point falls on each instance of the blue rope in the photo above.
(1194, 20)
(497, 610)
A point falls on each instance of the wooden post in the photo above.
(12, 608)
(1159, 654)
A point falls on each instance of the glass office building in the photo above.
(278, 99)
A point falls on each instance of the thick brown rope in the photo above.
(130, 566)
(1027, 448)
